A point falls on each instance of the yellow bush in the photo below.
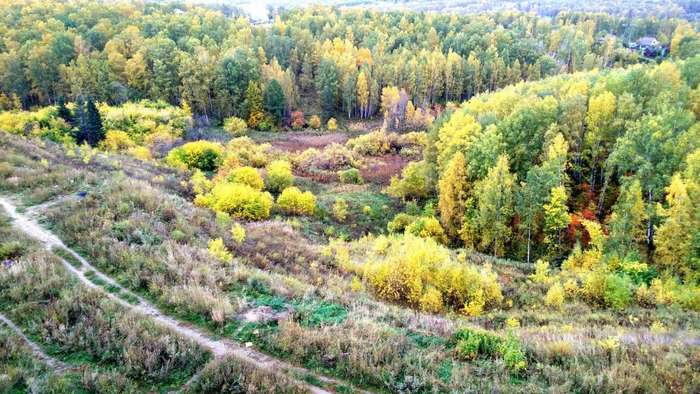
(609, 344)
(555, 296)
(315, 122)
(658, 327)
(356, 284)
(203, 155)
(140, 152)
(217, 249)
(244, 151)
(340, 209)
(644, 296)
(541, 274)
(571, 288)
(247, 176)
(145, 117)
(238, 200)
(427, 227)
(238, 233)
(235, 126)
(431, 301)
(160, 136)
(403, 268)
(375, 143)
(512, 322)
(593, 288)
(293, 202)
(332, 124)
(475, 306)
(279, 176)
(200, 183)
(116, 140)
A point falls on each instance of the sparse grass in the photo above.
(52, 309)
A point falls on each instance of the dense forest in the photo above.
(348, 200)
(687, 9)
(322, 59)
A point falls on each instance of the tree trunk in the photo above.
(529, 234)
(650, 223)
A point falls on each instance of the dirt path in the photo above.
(55, 365)
(219, 348)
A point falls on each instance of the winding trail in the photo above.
(39, 354)
(218, 347)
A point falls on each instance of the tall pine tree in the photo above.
(63, 111)
(95, 130)
(327, 87)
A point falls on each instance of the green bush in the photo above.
(475, 343)
(350, 176)
(202, 155)
(618, 291)
(293, 202)
(472, 343)
(267, 124)
(247, 176)
(279, 176)
(513, 354)
(413, 183)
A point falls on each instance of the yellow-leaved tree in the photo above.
(454, 190)
(677, 238)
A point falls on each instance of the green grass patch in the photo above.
(312, 380)
(321, 314)
(68, 256)
(114, 289)
(94, 278)
(130, 298)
